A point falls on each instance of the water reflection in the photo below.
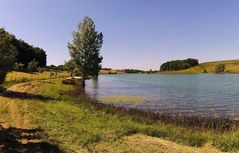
(95, 86)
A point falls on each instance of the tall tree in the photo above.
(7, 54)
(85, 49)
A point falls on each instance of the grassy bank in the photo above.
(232, 66)
(76, 125)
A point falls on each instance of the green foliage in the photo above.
(219, 68)
(19, 67)
(85, 48)
(133, 71)
(55, 68)
(179, 64)
(32, 66)
(7, 54)
(106, 69)
(25, 52)
(69, 66)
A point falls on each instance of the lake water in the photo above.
(205, 94)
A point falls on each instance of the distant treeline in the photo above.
(126, 70)
(179, 64)
(28, 57)
(106, 69)
(133, 71)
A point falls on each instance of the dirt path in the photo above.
(19, 114)
(25, 87)
(16, 133)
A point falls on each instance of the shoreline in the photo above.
(76, 124)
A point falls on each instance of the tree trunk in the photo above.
(83, 83)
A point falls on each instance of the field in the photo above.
(45, 115)
(232, 66)
(21, 76)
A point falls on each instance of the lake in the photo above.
(203, 94)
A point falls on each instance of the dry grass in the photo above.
(19, 76)
(142, 143)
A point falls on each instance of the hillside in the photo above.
(232, 66)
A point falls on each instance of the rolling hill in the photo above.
(231, 66)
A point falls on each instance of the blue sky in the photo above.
(137, 33)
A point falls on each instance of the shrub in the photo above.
(219, 68)
(32, 66)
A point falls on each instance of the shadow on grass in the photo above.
(21, 95)
(10, 141)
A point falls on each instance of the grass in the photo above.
(78, 125)
(123, 99)
(232, 66)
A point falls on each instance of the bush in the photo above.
(220, 68)
(32, 66)
(19, 67)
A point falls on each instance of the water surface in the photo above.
(205, 94)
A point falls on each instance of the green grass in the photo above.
(78, 125)
(232, 66)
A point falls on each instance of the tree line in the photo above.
(27, 57)
(18, 55)
(179, 64)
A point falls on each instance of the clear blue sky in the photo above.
(137, 33)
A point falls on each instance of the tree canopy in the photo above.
(85, 49)
(25, 52)
(179, 64)
(8, 54)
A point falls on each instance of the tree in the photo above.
(25, 52)
(7, 54)
(85, 49)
